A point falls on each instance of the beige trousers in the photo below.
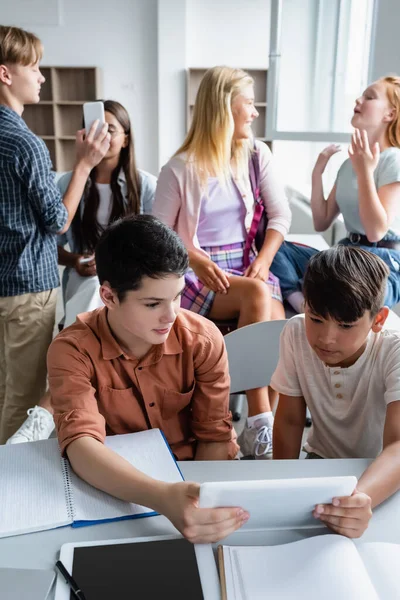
(26, 331)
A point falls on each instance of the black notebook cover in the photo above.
(148, 570)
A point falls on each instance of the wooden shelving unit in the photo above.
(59, 114)
(195, 75)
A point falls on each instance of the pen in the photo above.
(75, 589)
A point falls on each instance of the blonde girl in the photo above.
(204, 192)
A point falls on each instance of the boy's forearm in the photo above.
(382, 478)
(213, 450)
(73, 195)
(109, 472)
(287, 440)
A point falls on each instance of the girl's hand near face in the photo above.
(324, 157)
(85, 269)
(363, 158)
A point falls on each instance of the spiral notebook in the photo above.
(40, 491)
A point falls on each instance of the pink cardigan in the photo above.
(178, 197)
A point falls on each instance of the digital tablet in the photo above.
(277, 503)
(141, 567)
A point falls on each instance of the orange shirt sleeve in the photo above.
(211, 418)
(73, 397)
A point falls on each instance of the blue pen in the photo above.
(75, 589)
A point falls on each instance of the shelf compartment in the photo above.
(66, 154)
(39, 118)
(46, 91)
(68, 119)
(75, 84)
(260, 84)
(51, 145)
(259, 125)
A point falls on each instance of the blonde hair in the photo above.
(18, 46)
(392, 85)
(209, 143)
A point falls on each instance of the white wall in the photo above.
(120, 38)
(386, 53)
(144, 46)
(171, 77)
(203, 33)
(230, 32)
(296, 65)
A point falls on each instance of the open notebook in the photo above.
(331, 567)
(39, 489)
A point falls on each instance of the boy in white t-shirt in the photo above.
(336, 360)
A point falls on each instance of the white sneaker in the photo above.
(257, 441)
(38, 426)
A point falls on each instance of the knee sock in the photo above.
(266, 416)
(296, 300)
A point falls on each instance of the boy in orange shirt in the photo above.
(138, 363)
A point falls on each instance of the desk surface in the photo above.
(40, 550)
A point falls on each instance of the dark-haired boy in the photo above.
(32, 212)
(141, 363)
(337, 361)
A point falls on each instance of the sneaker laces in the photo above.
(33, 426)
(263, 441)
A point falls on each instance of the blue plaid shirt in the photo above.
(31, 210)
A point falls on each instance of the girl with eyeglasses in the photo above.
(115, 188)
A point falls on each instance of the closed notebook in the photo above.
(40, 491)
(331, 567)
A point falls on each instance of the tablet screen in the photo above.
(148, 570)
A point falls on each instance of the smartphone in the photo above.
(86, 259)
(91, 112)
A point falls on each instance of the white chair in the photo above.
(393, 321)
(253, 353)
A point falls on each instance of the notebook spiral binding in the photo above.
(68, 489)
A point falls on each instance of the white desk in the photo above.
(40, 550)
(315, 240)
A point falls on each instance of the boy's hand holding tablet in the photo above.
(348, 515)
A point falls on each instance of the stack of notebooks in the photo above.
(40, 491)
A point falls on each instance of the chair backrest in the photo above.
(393, 321)
(253, 353)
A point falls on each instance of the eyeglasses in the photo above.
(115, 132)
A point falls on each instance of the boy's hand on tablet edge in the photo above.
(199, 525)
(348, 515)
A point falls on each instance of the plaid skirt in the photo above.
(199, 298)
